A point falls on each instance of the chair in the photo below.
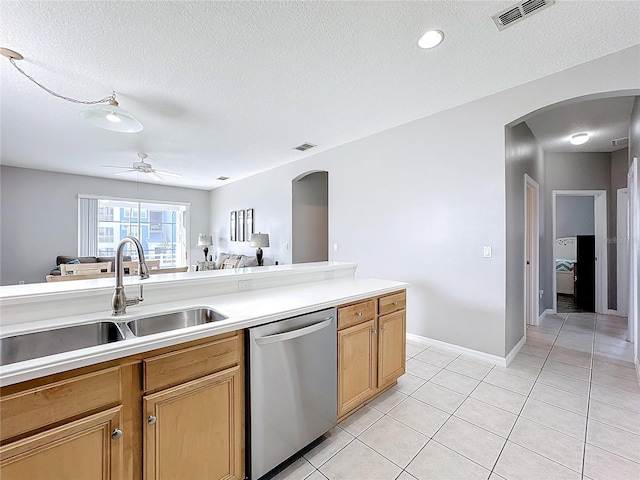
(83, 269)
(131, 268)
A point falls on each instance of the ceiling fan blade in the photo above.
(155, 176)
(116, 166)
(125, 171)
(171, 174)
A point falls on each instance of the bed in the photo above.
(565, 265)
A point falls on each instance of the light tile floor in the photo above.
(568, 407)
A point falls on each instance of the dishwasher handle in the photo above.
(281, 337)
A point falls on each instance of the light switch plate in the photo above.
(487, 252)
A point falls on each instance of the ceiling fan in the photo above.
(143, 167)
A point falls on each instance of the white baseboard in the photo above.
(514, 351)
(614, 313)
(548, 311)
(637, 362)
(485, 357)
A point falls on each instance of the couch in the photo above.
(60, 259)
(245, 260)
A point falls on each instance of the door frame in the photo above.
(622, 254)
(531, 237)
(634, 261)
(600, 227)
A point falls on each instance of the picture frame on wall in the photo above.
(241, 226)
(232, 226)
(249, 230)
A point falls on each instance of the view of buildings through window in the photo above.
(160, 227)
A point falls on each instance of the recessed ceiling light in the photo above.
(579, 138)
(430, 39)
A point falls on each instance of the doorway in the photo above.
(566, 230)
(310, 217)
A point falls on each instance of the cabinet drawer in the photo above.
(41, 406)
(176, 367)
(392, 303)
(356, 313)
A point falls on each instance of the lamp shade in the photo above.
(205, 240)
(112, 117)
(260, 240)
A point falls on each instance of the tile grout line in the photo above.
(586, 425)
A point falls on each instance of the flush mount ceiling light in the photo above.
(431, 39)
(579, 138)
(109, 116)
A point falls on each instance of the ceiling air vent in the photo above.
(223, 178)
(519, 11)
(620, 142)
(304, 146)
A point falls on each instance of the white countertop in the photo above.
(245, 309)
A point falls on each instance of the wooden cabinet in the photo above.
(195, 429)
(357, 351)
(177, 412)
(371, 349)
(89, 448)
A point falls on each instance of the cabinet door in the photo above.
(357, 351)
(392, 347)
(86, 449)
(194, 430)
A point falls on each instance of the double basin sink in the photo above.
(28, 346)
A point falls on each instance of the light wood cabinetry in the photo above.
(93, 423)
(371, 349)
(195, 429)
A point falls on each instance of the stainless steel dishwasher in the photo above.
(292, 382)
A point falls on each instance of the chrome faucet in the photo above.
(120, 302)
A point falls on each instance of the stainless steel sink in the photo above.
(49, 342)
(172, 321)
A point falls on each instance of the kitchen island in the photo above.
(166, 381)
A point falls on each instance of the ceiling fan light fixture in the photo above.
(431, 39)
(112, 117)
(579, 138)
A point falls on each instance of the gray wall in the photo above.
(571, 171)
(523, 155)
(574, 216)
(39, 216)
(432, 192)
(310, 218)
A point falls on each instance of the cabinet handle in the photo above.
(383, 328)
(395, 303)
(152, 420)
(116, 434)
(374, 331)
(358, 314)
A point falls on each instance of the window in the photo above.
(160, 227)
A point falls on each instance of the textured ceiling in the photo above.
(229, 88)
(604, 120)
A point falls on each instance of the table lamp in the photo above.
(204, 242)
(259, 240)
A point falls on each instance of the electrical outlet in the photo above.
(328, 275)
(335, 247)
(541, 293)
(285, 246)
(486, 252)
(244, 285)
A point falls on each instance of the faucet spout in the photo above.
(119, 301)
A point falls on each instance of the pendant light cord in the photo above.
(93, 102)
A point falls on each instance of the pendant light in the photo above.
(106, 113)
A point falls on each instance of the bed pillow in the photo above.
(221, 258)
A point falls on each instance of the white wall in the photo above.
(433, 192)
(634, 152)
(39, 216)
